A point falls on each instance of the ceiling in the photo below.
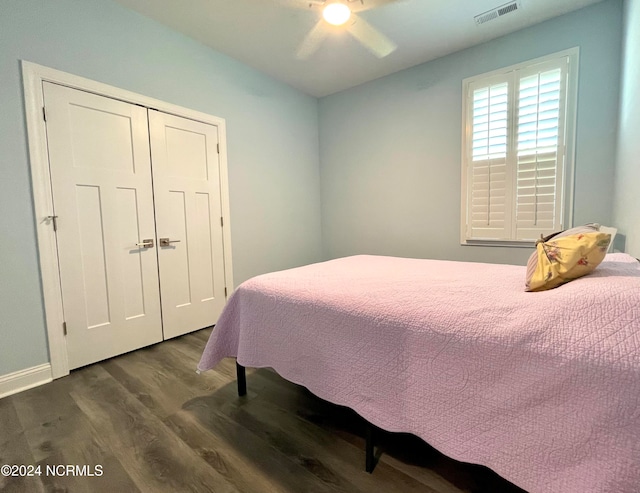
(265, 34)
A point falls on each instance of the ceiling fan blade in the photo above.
(301, 4)
(312, 41)
(361, 6)
(372, 39)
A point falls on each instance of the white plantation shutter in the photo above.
(540, 127)
(514, 152)
(489, 215)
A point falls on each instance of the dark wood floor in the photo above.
(154, 425)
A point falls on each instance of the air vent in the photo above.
(497, 12)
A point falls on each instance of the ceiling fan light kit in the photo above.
(336, 13)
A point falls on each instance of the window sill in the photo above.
(500, 243)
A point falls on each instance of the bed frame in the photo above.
(370, 461)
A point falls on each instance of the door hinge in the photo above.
(44, 114)
(221, 222)
(64, 327)
(54, 221)
(218, 147)
(225, 291)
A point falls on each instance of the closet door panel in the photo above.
(186, 178)
(102, 192)
(176, 269)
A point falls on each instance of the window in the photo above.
(517, 147)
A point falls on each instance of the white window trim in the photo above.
(568, 178)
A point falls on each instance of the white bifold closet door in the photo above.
(102, 193)
(186, 182)
(109, 231)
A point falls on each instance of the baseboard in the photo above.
(15, 382)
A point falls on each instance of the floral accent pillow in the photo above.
(562, 257)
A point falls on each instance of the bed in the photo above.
(543, 388)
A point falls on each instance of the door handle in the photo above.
(167, 242)
(148, 243)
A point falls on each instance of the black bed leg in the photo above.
(369, 447)
(242, 379)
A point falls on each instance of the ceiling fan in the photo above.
(342, 14)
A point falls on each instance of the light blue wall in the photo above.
(272, 143)
(627, 203)
(390, 149)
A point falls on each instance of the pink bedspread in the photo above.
(544, 388)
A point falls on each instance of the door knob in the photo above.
(148, 243)
(167, 242)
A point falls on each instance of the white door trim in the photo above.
(33, 76)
